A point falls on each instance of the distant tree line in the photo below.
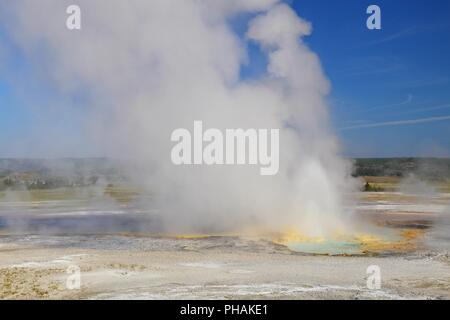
(15, 182)
(427, 168)
(40, 174)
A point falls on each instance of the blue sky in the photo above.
(390, 88)
(380, 78)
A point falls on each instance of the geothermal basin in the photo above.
(121, 253)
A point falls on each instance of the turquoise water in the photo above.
(344, 246)
(326, 247)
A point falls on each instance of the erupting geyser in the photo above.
(145, 68)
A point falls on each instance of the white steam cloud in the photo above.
(149, 67)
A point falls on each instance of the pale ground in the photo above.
(212, 273)
(144, 267)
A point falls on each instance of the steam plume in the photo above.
(149, 67)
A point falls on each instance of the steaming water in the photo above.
(75, 217)
(147, 68)
(326, 247)
(81, 225)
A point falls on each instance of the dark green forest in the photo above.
(55, 173)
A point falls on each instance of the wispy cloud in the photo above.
(362, 109)
(400, 34)
(407, 100)
(418, 110)
(411, 31)
(373, 65)
(423, 83)
(396, 123)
